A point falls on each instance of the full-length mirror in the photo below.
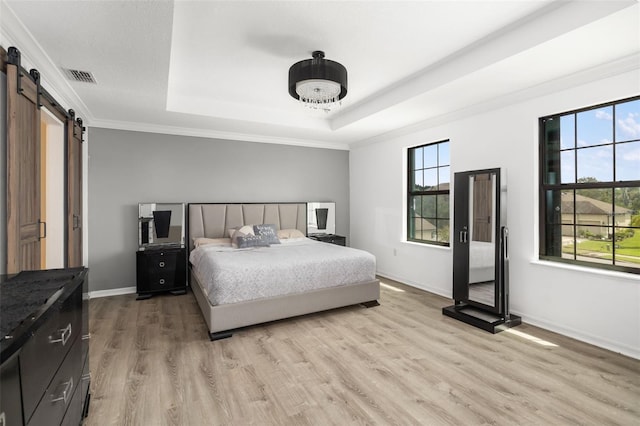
(480, 257)
(482, 238)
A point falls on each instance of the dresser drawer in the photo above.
(10, 399)
(44, 351)
(161, 261)
(60, 392)
(160, 270)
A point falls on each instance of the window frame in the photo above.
(437, 192)
(544, 188)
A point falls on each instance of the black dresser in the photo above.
(44, 375)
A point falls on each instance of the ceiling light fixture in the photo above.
(318, 83)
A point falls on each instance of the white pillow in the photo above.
(283, 234)
(197, 242)
(237, 233)
(247, 229)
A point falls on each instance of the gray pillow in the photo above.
(268, 232)
(246, 241)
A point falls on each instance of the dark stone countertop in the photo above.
(25, 299)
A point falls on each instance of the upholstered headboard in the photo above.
(211, 220)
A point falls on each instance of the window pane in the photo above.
(443, 206)
(568, 131)
(595, 126)
(431, 178)
(627, 207)
(595, 164)
(593, 244)
(628, 121)
(628, 161)
(567, 167)
(566, 207)
(553, 201)
(417, 158)
(428, 206)
(443, 154)
(430, 155)
(627, 247)
(417, 181)
(568, 242)
(443, 230)
(444, 176)
(594, 214)
(551, 145)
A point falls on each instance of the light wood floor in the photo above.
(401, 363)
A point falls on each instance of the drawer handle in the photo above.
(66, 392)
(161, 281)
(64, 336)
(161, 264)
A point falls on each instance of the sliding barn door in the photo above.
(74, 191)
(24, 228)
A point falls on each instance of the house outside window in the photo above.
(428, 193)
(590, 186)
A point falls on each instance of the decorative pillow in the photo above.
(246, 241)
(244, 237)
(283, 234)
(247, 229)
(197, 242)
(268, 232)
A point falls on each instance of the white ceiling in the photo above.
(219, 68)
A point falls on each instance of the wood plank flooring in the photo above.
(401, 363)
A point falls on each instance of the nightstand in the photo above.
(161, 269)
(330, 238)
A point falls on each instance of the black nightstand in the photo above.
(161, 269)
(338, 240)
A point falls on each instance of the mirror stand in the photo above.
(480, 252)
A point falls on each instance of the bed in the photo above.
(237, 288)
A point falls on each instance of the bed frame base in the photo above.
(219, 335)
(223, 320)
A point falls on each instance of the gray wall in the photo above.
(126, 168)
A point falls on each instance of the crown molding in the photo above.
(214, 134)
(609, 69)
(14, 33)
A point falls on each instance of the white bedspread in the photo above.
(297, 265)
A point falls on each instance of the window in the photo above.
(428, 194)
(590, 186)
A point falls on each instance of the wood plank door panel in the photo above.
(23, 168)
(74, 191)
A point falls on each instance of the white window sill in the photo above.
(587, 270)
(435, 246)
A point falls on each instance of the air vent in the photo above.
(81, 76)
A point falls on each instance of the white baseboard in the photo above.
(111, 292)
(583, 337)
(411, 283)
